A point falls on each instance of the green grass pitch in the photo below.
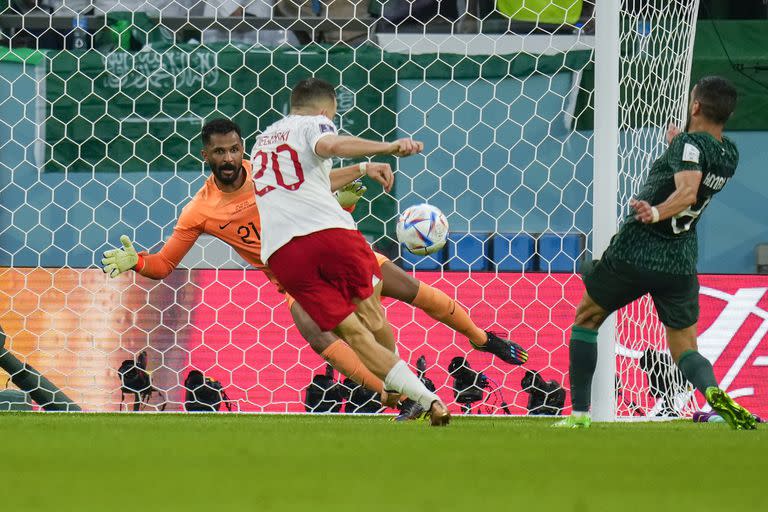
(108, 462)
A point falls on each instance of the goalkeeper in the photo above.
(225, 207)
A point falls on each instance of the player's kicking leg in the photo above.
(399, 285)
(340, 355)
(333, 275)
(365, 331)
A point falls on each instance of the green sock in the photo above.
(583, 360)
(697, 370)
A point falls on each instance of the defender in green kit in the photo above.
(655, 252)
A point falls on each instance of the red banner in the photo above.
(535, 310)
(77, 327)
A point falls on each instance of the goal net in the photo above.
(656, 52)
(101, 138)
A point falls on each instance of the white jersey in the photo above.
(293, 184)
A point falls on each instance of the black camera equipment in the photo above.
(136, 380)
(470, 386)
(421, 368)
(323, 394)
(546, 396)
(359, 399)
(204, 394)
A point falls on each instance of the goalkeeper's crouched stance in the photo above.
(225, 207)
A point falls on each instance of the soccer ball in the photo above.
(423, 229)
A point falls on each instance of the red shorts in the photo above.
(324, 271)
(289, 300)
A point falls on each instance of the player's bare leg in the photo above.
(399, 285)
(339, 354)
(681, 340)
(371, 314)
(698, 370)
(589, 315)
(375, 357)
(357, 329)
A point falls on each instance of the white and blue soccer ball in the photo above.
(423, 229)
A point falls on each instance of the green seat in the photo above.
(555, 12)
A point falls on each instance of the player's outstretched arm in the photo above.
(154, 266)
(686, 191)
(380, 172)
(344, 146)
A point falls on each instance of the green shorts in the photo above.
(613, 284)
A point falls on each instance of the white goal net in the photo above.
(100, 137)
(655, 65)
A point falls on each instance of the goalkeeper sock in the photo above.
(442, 308)
(403, 380)
(343, 358)
(697, 370)
(583, 360)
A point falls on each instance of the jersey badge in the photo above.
(690, 153)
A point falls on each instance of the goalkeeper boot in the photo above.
(571, 421)
(410, 410)
(438, 414)
(506, 350)
(735, 415)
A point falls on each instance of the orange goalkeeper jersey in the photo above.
(229, 216)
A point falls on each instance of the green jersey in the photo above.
(670, 245)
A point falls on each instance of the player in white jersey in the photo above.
(312, 245)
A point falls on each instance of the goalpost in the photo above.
(536, 137)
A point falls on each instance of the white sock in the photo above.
(579, 413)
(401, 379)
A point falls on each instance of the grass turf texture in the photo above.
(315, 463)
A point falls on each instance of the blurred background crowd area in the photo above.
(103, 24)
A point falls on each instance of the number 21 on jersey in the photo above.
(289, 178)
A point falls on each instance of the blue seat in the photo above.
(409, 261)
(468, 251)
(560, 252)
(514, 252)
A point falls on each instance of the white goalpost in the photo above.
(605, 188)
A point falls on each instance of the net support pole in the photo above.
(605, 188)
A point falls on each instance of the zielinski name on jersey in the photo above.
(272, 138)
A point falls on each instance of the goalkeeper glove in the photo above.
(117, 261)
(350, 194)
